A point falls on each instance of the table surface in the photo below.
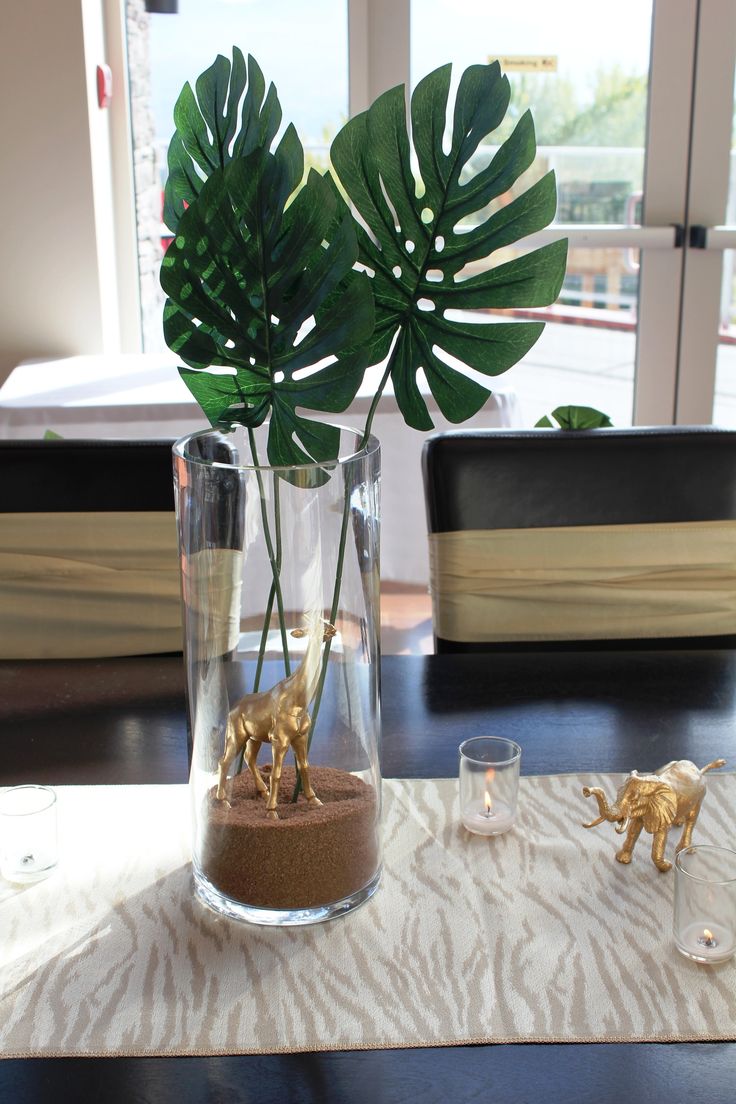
(122, 721)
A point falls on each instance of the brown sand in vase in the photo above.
(312, 855)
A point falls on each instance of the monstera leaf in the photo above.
(208, 134)
(260, 284)
(418, 236)
(575, 417)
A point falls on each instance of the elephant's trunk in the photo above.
(606, 811)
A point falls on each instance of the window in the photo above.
(588, 94)
(301, 48)
(629, 119)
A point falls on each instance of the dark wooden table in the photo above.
(122, 721)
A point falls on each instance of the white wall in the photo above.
(51, 301)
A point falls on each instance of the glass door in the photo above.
(588, 93)
(612, 106)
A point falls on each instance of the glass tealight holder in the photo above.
(28, 845)
(705, 903)
(489, 784)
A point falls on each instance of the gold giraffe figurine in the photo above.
(280, 718)
(656, 802)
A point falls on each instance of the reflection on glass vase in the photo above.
(280, 587)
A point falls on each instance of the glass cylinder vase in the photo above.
(280, 590)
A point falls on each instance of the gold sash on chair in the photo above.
(585, 582)
(212, 582)
(76, 585)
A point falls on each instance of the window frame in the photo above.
(686, 180)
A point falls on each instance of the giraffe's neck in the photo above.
(306, 675)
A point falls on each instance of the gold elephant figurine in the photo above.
(672, 796)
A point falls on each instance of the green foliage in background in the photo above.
(279, 296)
(612, 114)
(575, 417)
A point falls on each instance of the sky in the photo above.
(301, 45)
(584, 35)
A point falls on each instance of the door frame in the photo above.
(709, 170)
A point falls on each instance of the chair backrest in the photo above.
(615, 537)
(88, 549)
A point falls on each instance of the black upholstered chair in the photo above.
(88, 549)
(94, 475)
(663, 495)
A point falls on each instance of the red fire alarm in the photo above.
(104, 85)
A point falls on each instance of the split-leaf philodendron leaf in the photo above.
(268, 291)
(265, 303)
(418, 251)
(207, 134)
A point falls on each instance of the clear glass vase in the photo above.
(280, 590)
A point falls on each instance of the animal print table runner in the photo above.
(538, 935)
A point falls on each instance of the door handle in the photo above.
(712, 237)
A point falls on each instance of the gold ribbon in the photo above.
(78, 585)
(585, 582)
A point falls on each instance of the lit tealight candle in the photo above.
(489, 778)
(711, 942)
(487, 818)
(704, 916)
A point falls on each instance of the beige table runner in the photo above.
(538, 935)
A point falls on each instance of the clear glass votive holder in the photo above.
(489, 784)
(28, 842)
(705, 903)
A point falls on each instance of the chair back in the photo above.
(88, 549)
(615, 537)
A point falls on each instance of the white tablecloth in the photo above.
(144, 397)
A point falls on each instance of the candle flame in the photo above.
(707, 934)
(488, 802)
